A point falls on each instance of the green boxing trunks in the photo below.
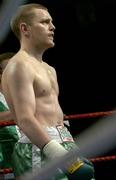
(8, 137)
(28, 157)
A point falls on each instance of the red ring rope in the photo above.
(90, 115)
(6, 171)
(69, 117)
(94, 160)
(7, 123)
(106, 158)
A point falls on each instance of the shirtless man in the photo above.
(31, 89)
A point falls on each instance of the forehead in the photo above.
(41, 14)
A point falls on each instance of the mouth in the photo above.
(51, 35)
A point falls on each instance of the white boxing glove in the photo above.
(53, 150)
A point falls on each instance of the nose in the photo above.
(52, 27)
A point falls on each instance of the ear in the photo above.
(24, 28)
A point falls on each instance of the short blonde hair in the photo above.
(24, 14)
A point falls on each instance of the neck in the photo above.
(32, 50)
(36, 54)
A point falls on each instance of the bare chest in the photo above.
(45, 82)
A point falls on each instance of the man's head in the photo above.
(4, 58)
(32, 24)
(25, 13)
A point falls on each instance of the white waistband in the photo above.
(52, 131)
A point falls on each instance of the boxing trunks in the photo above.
(28, 157)
(9, 135)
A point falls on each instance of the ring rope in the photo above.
(69, 117)
(94, 160)
(106, 158)
(90, 115)
(7, 123)
(6, 171)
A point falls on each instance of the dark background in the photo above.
(84, 57)
(84, 53)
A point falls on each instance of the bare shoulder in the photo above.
(51, 68)
(17, 65)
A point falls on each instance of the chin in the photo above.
(50, 45)
(53, 44)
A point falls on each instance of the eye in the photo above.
(46, 21)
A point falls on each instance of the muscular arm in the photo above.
(20, 84)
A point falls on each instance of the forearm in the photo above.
(34, 131)
(5, 115)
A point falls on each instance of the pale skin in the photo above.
(30, 85)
